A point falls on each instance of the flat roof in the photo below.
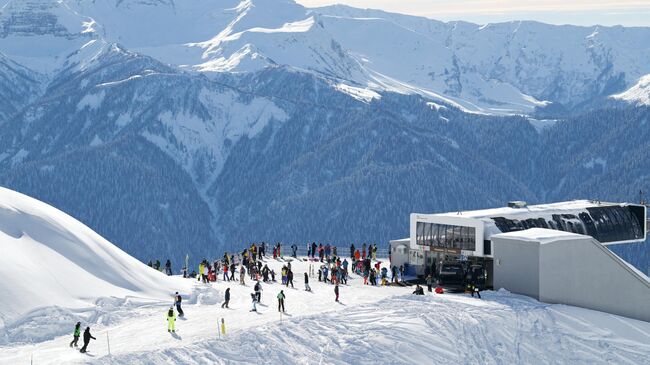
(541, 235)
(555, 208)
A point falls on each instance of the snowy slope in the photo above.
(384, 325)
(639, 94)
(52, 260)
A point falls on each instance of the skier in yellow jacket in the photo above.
(171, 320)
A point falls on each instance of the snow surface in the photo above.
(56, 271)
(638, 94)
(53, 266)
(542, 235)
(370, 325)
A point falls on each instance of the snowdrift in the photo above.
(50, 259)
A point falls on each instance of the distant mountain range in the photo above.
(174, 127)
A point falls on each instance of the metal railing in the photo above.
(341, 251)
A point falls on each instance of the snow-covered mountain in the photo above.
(502, 68)
(175, 127)
(54, 266)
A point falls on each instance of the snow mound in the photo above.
(51, 261)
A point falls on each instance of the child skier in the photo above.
(171, 320)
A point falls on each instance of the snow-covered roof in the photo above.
(401, 240)
(541, 235)
(567, 207)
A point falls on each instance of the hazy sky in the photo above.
(579, 12)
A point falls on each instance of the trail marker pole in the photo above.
(108, 341)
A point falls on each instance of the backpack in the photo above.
(170, 313)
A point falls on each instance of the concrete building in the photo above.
(568, 268)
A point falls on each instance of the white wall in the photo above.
(516, 266)
(584, 273)
(578, 271)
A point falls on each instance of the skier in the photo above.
(289, 278)
(171, 320)
(294, 249)
(429, 282)
(384, 276)
(77, 333)
(200, 273)
(225, 273)
(168, 267)
(242, 275)
(206, 269)
(281, 298)
(394, 274)
(87, 337)
(336, 291)
(177, 301)
(307, 288)
(232, 269)
(258, 292)
(254, 300)
(226, 298)
(352, 251)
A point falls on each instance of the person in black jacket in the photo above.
(289, 278)
(87, 337)
(307, 288)
(177, 301)
(258, 292)
(226, 298)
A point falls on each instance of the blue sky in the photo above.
(578, 12)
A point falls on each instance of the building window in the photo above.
(446, 236)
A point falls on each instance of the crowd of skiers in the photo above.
(167, 269)
(332, 269)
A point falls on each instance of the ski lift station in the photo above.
(555, 253)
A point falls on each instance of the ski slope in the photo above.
(370, 325)
(56, 271)
(55, 268)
